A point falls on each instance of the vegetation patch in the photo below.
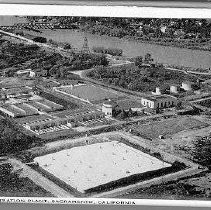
(13, 185)
(205, 103)
(143, 78)
(166, 128)
(16, 56)
(13, 140)
(189, 188)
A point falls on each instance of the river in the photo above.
(161, 54)
(11, 20)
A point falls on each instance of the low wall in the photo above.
(132, 179)
(155, 181)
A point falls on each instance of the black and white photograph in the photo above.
(105, 107)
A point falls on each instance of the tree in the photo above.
(122, 115)
(40, 39)
(67, 46)
(103, 60)
(148, 58)
(138, 61)
(202, 150)
(130, 113)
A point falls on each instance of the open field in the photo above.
(193, 144)
(91, 93)
(89, 166)
(14, 185)
(167, 127)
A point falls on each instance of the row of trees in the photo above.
(111, 51)
(121, 114)
(121, 27)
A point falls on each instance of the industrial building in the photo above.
(11, 110)
(63, 120)
(28, 108)
(15, 91)
(159, 101)
(39, 125)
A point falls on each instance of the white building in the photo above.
(26, 72)
(157, 91)
(108, 107)
(174, 89)
(159, 101)
(186, 86)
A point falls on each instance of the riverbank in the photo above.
(178, 43)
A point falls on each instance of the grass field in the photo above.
(167, 127)
(90, 92)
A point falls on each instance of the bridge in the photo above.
(29, 25)
(38, 26)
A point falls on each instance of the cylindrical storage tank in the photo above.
(173, 89)
(107, 108)
(186, 86)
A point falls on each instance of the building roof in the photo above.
(23, 71)
(109, 102)
(13, 109)
(16, 90)
(157, 97)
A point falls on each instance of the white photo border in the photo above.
(105, 11)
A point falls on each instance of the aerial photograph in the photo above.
(105, 107)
